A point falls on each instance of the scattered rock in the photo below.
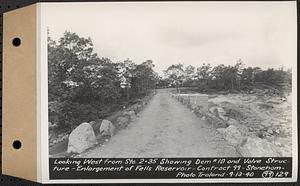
(222, 113)
(283, 99)
(106, 128)
(81, 138)
(215, 121)
(200, 113)
(233, 135)
(219, 112)
(131, 115)
(270, 131)
(257, 147)
(260, 134)
(135, 107)
(122, 122)
(140, 107)
(277, 131)
(213, 110)
(232, 122)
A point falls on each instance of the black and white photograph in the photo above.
(171, 79)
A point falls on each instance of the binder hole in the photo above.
(17, 144)
(16, 41)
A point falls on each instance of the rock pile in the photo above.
(256, 126)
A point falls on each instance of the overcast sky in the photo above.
(261, 34)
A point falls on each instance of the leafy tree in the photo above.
(279, 79)
(80, 83)
(227, 77)
(204, 74)
(175, 74)
(248, 77)
(190, 73)
(126, 70)
(144, 77)
(217, 74)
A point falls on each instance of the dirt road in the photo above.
(165, 128)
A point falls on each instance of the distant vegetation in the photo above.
(83, 86)
(222, 77)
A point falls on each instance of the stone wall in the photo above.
(104, 128)
(231, 130)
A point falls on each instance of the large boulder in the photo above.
(257, 147)
(200, 113)
(122, 122)
(215, 121)
(106, 128)
(233, 135)
(220, 112)
(81, 138)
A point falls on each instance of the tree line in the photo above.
(226, 77)
(83, 86)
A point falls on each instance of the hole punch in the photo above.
(17, 144)
(16, 42)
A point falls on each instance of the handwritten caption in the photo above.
(151, 168)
